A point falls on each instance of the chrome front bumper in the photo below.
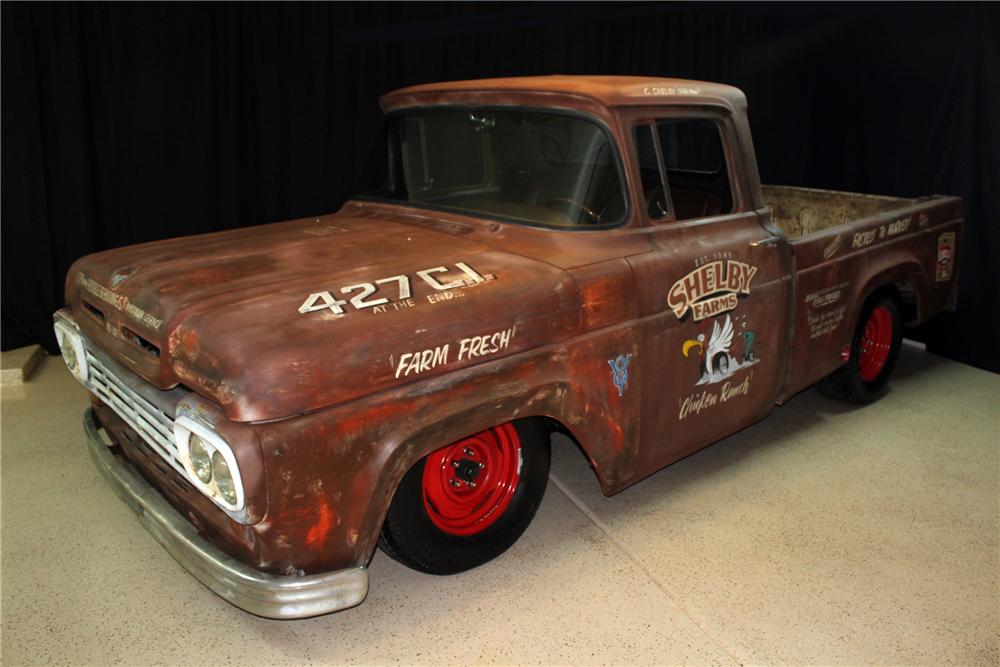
(268, 595)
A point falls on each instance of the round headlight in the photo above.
(68, 353)
(73, 349)
(223, 478)
(201, 460)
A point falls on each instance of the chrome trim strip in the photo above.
(267, 595)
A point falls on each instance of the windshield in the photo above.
(536, 167)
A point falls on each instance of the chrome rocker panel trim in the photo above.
(260, 593)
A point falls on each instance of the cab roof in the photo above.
(608, 90)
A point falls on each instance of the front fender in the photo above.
(333, 473)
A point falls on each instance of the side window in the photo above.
(695, 163)
(651, 173)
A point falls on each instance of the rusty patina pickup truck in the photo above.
(589, 255)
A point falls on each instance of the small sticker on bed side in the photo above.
(833, 246)
(945, 256)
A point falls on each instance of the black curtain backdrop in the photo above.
(124, 123)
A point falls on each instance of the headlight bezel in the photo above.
(184, 427)
(67, 333)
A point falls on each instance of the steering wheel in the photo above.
(595, 218)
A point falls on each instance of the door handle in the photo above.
(770, 240)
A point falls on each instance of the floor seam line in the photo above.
(604, 528)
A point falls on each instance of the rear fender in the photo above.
(909, 273)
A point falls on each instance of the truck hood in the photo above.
(281, 319)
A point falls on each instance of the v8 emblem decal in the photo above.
(619, 371)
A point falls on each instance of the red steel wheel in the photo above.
(876, 341)
(874, 350)
(467, 486)
(465, 504)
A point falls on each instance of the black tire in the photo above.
(411, 537)
(847, 382)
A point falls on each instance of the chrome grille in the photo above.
(153, 424)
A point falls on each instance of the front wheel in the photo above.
(874, 350)
(465, 504)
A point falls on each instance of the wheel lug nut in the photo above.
(469, 452)
(454, 482)
(472, 484)
(454, 464)
(481, 465)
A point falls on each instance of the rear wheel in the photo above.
(465, 504)
(874, 350)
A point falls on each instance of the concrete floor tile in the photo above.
(83, 583)
(830, 534)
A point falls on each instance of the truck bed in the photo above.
(844, 244)
(804, 211)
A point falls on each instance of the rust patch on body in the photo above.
(317, 535)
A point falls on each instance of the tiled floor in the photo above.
(823, 535)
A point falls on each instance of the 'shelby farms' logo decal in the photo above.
(711, 289)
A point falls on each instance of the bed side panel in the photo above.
(838, 268)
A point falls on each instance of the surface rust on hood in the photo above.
(222, 313)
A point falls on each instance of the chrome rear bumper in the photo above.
(268, 595)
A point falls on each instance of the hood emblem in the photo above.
(122, 274)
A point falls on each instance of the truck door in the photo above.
(714, 291)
